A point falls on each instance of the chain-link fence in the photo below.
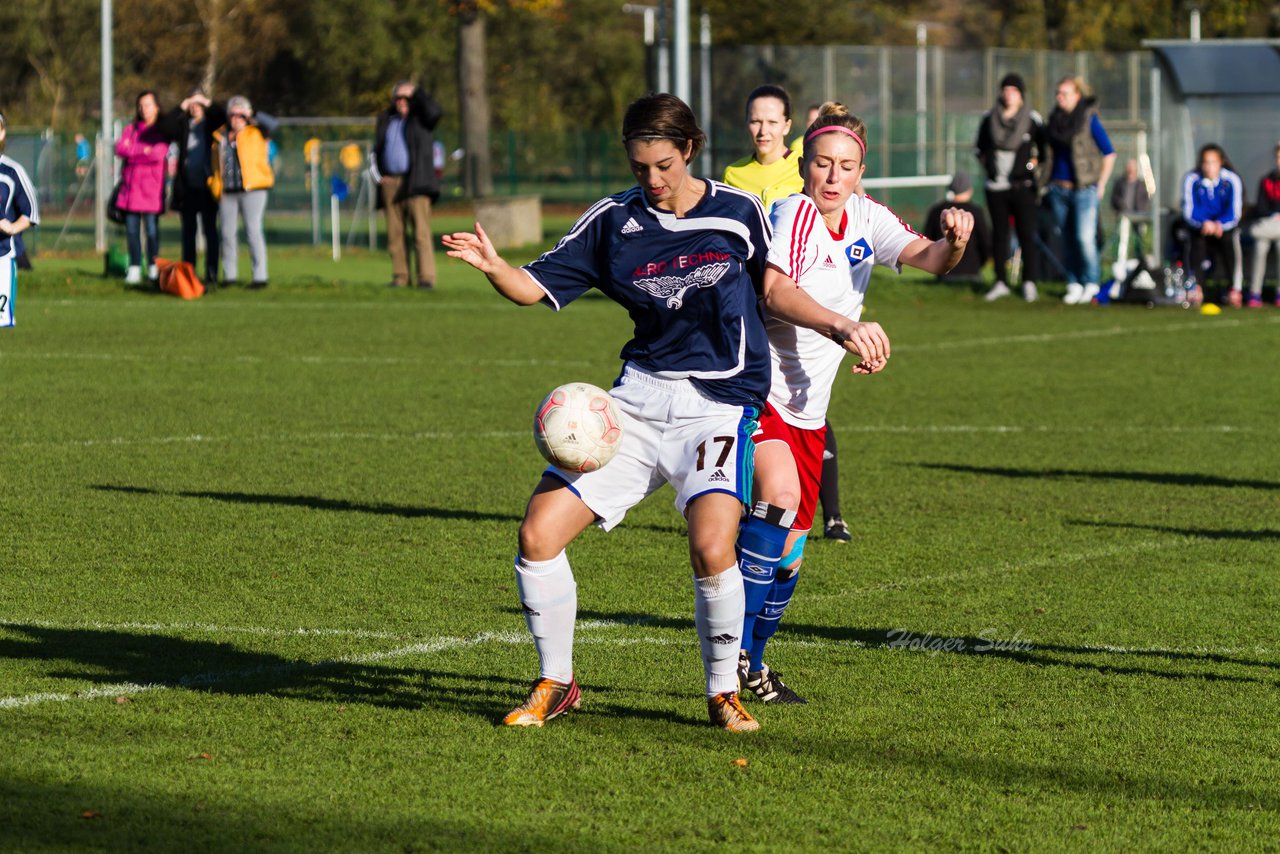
(922, 107)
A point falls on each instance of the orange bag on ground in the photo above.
(179, 278)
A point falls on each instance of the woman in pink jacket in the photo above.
(142, 146)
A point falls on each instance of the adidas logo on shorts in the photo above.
(632, 226)
(718, 477)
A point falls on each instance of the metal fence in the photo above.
(921, 106)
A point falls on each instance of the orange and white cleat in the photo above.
(547, 699)
(725, 711)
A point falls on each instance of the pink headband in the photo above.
(842, 129)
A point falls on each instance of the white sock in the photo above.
(719, 604)
(549, 596)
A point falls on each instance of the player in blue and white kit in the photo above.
(686, 257)
(18, 212)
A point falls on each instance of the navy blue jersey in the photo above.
(691, 285)
(17, 199)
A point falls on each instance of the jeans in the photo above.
(1075, 215)
(133, 223)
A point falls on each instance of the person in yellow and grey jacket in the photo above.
(241, 178)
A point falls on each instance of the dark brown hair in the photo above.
(137, 103)
(770, 90)
(659, 115)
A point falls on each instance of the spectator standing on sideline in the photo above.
(403, 164)
(19, 210)
(1010, 145)
(143, 146)
(1132, 204)
(1265, 231)
(1212, 206)
(978, 249)
(195, 120)
(241, 178)
(1081, 158)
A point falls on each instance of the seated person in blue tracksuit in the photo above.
(1212, 201)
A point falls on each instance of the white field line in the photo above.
(447, 644)
(1108, 332)
(304, 360)
(447, 435)
(1042, 428)
(1007, 568)
(1030, 338)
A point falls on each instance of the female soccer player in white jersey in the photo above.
(772, 172)
(826, 241)
(686, 257)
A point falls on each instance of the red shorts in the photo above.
(806, 447)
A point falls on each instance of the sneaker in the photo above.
(1090, 291)
(153, 273)
(1029, 292)
(133, 276)
(426, 285)
(998, 291)
(257, 285)
(1074, 292)
(1255, 301)
(769, 687)
(744, 665)
(1234, 298)
(836, 529)
(547, 699)
(725, 711)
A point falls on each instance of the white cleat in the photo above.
(1087, 295)
(1074, 292)
(1029, 292)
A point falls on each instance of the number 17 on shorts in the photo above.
(8, 289)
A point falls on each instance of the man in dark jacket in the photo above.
(404, 167)
(1265, 230)
(960, 195)
(191, 124)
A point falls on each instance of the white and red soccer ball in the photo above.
(578, 427)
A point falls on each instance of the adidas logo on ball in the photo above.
(577, 427)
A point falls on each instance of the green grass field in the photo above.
(256, 587)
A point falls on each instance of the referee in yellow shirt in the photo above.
(772, 172)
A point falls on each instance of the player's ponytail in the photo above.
(834, 116)
(659, 115)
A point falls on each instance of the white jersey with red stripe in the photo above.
(835, 270)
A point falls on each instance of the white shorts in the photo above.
(8, 289)
(671, 434)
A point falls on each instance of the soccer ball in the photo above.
(578, 427)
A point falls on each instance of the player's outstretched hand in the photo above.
(957, 225)
(870, 344)
(476, 249)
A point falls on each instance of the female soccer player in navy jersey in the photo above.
(826, 241)
(686, 257)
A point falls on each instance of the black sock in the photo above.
(829, 490)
